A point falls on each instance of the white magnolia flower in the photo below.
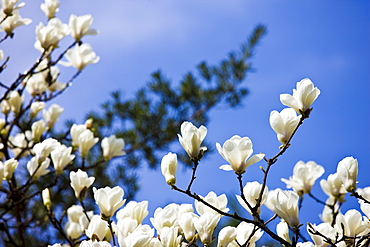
(37, 169)
(80, 26)
(219, 202)
(8, 6)
(325, 229)
(303, 97)
(61, 157)
(237, 151)
(251, 192)
(76, 131)
(20, 142)
(191, 138)
(86, 142)
(80, 182)
(284, 123)
(141, 236)
(282, 230)
(170, 236)
(9, 167)
(112, 147)
(333, 187)
(5, 106)
(347, 170)
(186, 222)
(90, 243)
(43, 149)
(285, 204)
(52, 114)
(77, 221)
(97, 228)
(327, 212)
(169, 167)
(36, 107)
(243, 233)
(352, 223)
(205, 226)
(15, 101)
(109, 200)
(12, 22)
(80, 56)
(38, 128)
(50, 7)
(226, 235)
(46, 197)
(134, 210)
(36, 85)
(167, 216)
(48, 37)
(304, 176)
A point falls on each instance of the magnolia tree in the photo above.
(35, 164)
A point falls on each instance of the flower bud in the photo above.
(190, 139)
(347, 172)
(169, 167)
(46, 198)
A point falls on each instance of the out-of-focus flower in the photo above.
(284, 123)
(36, 169)
(48, 37)
(50, 7)
(351, 222)
(36, 85)
(170, 236)
(77, 221)
(8, 6)
(38, 128)
(15, 100)
(191, 138)
(112, 147)
(80, 26)
(333, 187)
(36, 107)
(43, 149)
(2, 168)
(282, 230)
(76, 131)
(219, 202)
(61, 157)
(134, 210)
(237, 151)
(97, 228)
(12, 22)
(90, 243)
(46, 198)
(52, 114)
(5, 106)
(303, 97)
(251, 192)
(325, 229)
(243, 234)
(1, 54)
(86, 142)
(205, 226)
(80, 182)
(304, 176)
(169, 167)
(327, 212)
(20, 142)
(109, 200)
(347, 171)
(226, 235)
(9, 167)
(285, 204)
(80, 56)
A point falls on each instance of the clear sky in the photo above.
(326, 41)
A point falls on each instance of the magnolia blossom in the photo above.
(61, 157)
(52, 114)
(43, 149)
(15, 101)
(282, 230)
(38, 128)
(86, 142)
(36, 169)
(77, 221)
(109, 200)
(303, 97)
(352, 223)
(251, 192)
(325, 229)
(36, 85)
(134, 210)
(332, 186)
(170, 236)
(205, 226)
(5, 106)
(36, 107)
(112, 147)
(46, 197)
(191, 138)
(225, 236)
(50, 7)
(237, 151)
(90, 243)
(141, 236)
(284, 123)
(80, 56)
(48, 37)
(8, 6)
(285, 205)
(80, 182)
(186, 222)
(12, 22)
(169, 215)
(245, 233)
(9, 167)
(20, 142)
(327, 212)
(76, 131)
(97, 228)
(347, 170)
(304, 176)
(219, 202)
(80, 26)
(169, 167)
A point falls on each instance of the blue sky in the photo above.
(326, 41)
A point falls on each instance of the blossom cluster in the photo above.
(34, 161)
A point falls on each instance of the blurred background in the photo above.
(326, 41)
